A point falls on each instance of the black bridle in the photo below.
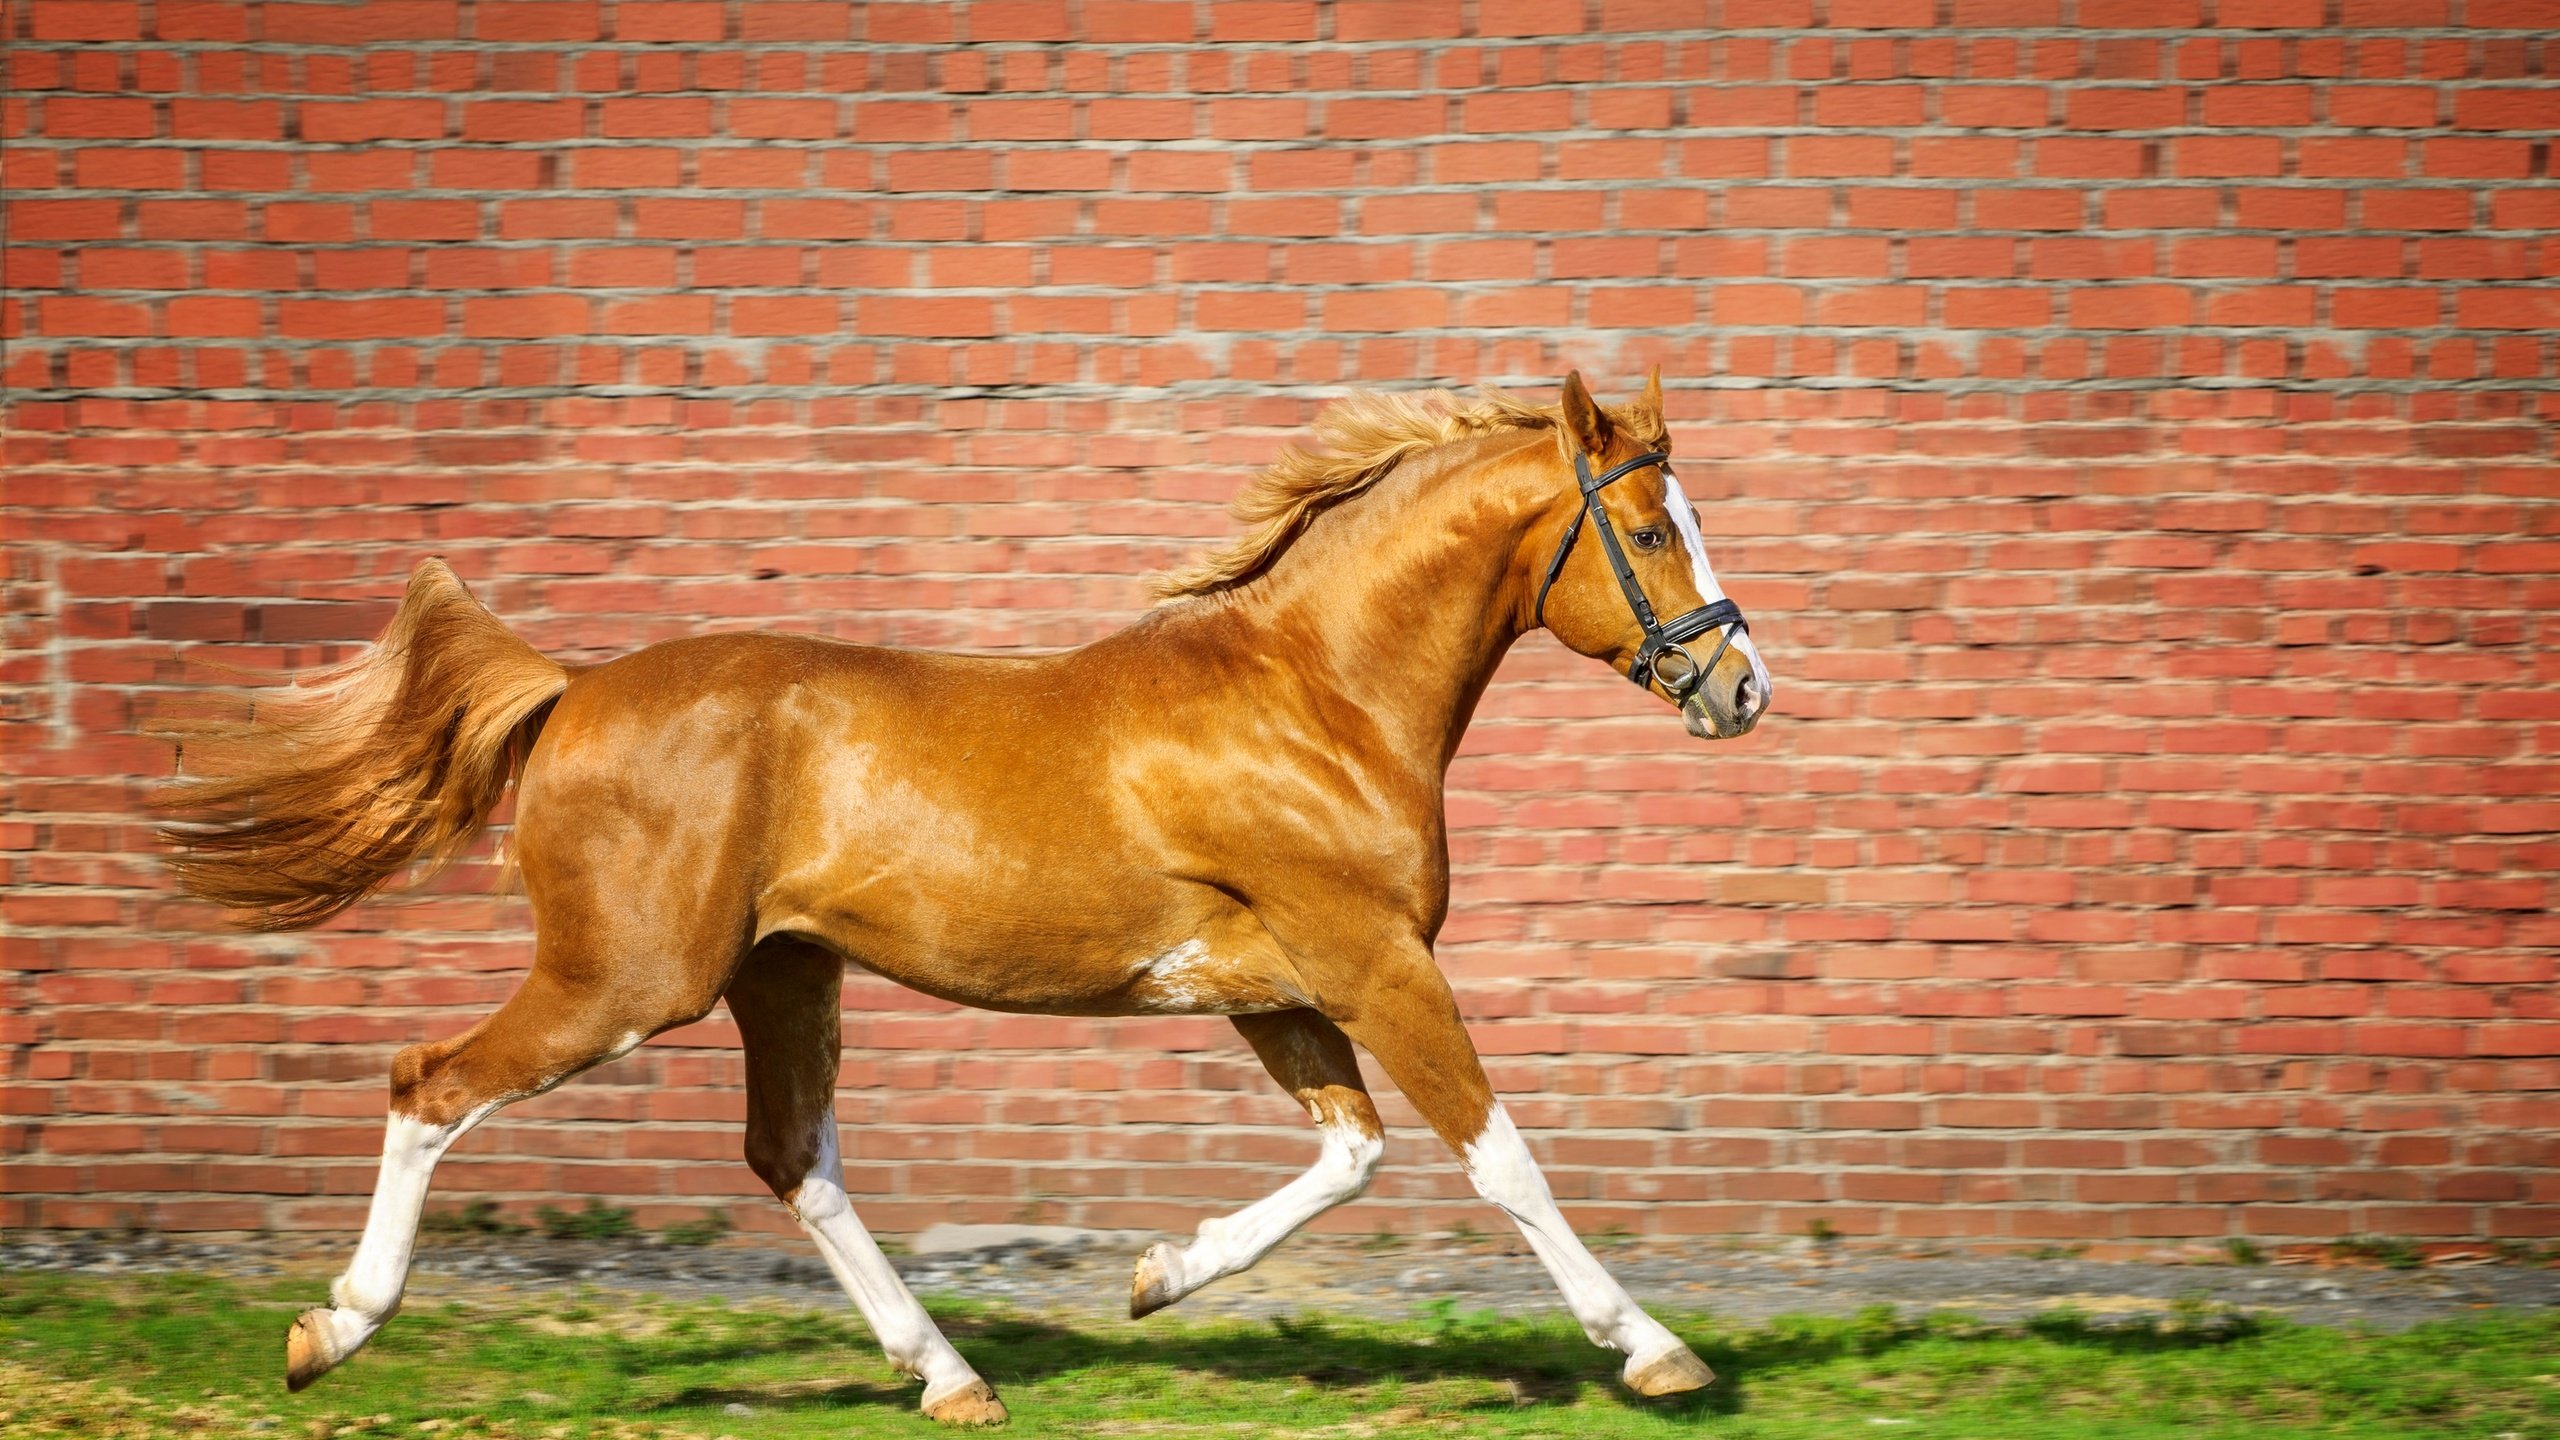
(1663, 640)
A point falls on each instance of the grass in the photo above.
(480, 1217)
(598, 1221)
(704, 1231)
(107, 1358)
(2392, 1252)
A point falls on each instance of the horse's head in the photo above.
(1638, 592)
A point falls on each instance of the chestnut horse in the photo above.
(1232, 807)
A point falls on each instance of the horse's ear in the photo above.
(1651, 399)
(1585, 427)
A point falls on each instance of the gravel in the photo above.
(1085, 1276)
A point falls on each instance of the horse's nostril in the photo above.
(1742, 696)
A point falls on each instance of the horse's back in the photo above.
(804, 745)
(747, 684)
(683, 744)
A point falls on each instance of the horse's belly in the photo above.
(1190, 978)
(1133, 946)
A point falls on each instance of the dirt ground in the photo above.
(1085, 1276)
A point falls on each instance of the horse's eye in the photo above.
(1649, 539)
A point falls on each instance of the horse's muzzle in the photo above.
(1722, 709)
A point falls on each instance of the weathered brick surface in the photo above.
(2130, 426)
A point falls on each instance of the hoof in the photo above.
(972, 1404)
(1158, 1282)
(307, 1353)
(1673, 1372)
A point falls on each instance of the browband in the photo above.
(1662, 640)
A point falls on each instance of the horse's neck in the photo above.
(1400, 601)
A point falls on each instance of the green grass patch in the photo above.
(598, 1221)
(479, 1217)
(2392, 1252)
(187, 1355)
(706, 1230)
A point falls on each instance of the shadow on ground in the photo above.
(1541, 1363)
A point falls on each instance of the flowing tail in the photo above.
(332, 787)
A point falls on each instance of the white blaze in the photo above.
(1685, 521)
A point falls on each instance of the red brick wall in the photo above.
(2129, 424)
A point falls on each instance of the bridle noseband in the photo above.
(1663, 641)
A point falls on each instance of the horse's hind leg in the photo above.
(565, 1018)
(785, 999)
(1313, 1062)
(1405, 1015)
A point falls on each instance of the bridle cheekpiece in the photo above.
(1663, 654)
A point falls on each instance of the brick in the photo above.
(500, 121)
(1359, 20)
(668, 20)
(757, 119)
(2131, 307)
(89, 118)
(373, 23)
(884, 315)
(1837, 155)
(538, 20)
(352, 121)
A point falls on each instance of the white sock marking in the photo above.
(368, 1293)
(912, 1341)
(1230, 1244)
(1505, 1173)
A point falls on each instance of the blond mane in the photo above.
(1362, 437)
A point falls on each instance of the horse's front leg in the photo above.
(1402, 1011)
(1313, 1062)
